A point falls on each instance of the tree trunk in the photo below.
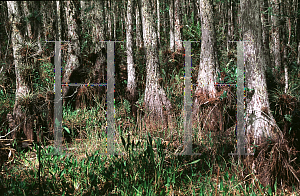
(177, 27)
(139, 41)
(164, 19)
(28, 25)
(109, 25)
(158, 22)
(21, 87)
(58, 19)
(155, 97)
(72, 13)
(276, 39)
(206, 92)
(172, 36)
(285, 43)
(115, 15)
(43, 8)
(259, 120)
(131, 81)
(231, 25)
(265, 23)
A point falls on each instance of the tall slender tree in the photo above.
(58, 21)
(265, 23)
(172, 35)
(206, 92)
(158, 21)
(276, 38)
(156, 101)
(131, 79)
(177, 25)
(139, 34)
(26, 14)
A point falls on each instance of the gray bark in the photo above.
(71, 10)
(22, 89)
(172, 36)
(139, 41)
(177, 26)
(131, 79)
(58, 20)
(26, 13)
(209, 66)
(158, 21)
(155, 97)
(275, 37)
(206, 91)
(265, 23)
(259, 120)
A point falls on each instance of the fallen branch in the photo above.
(12, 130)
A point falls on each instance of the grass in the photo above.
(147, 165)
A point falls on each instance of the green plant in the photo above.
(127, 106)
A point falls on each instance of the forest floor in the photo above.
(145, 166)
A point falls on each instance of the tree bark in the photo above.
(206, 92)
(155, 98)
(115, 15)
(259, 120)
(231, 25)
(58, 19)
(109, 25)
(177, 26)
(265, 24)
(172, 36)
(38, 26)
(276, 39)
(158, 21)
(131, 79)
(285, 43)
(72, 13)
(22, 89)
(26, 14)
(139, 41)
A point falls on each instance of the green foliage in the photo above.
(224, 95)
(6, 105)
(43, 79)
(127, 106)
(66, 129)
(145, 168)
(192, 32)
(230, 71)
